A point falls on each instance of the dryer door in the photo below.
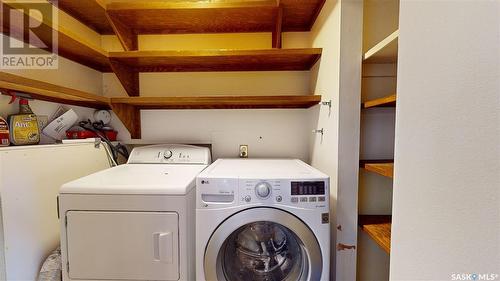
(263, 244)
(122, 245)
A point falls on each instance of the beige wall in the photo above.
(446, 200)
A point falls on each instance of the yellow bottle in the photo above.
(24, 125)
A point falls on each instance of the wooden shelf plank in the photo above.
(90, 12)
(386, 51)
(70, 45)
(219, 102)
(381, 167)
(169, 17)
(378, 227)
(128, 108)
(50, 92)
(219, 60)
(388, 101)
(154, 17)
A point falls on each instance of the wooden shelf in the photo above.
(170, 17)
(384, 52)
(127, 65)
(218, 60)
(90, 12)
(381, 167)
(378, 227)
(50, 92)
(388, 101)
(70, 46)
(128, 108)
(220, 102)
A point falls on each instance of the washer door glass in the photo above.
(263, 251)
(263, 244)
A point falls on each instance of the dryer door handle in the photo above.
(162, 247)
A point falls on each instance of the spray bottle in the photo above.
(23, 125)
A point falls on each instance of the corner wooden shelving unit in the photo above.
(129, 19)
(378, 227)
(50, 92)
(70, 45)
(381, 36)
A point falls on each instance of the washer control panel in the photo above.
(289, 192)
(224, 192)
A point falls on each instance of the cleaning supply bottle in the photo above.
(4, 132)
(24, 125)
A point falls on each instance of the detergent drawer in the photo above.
(106, 245)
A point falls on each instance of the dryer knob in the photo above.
(168, 154)
(263, 190)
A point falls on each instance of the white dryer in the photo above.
(135, 221)
(262, 219)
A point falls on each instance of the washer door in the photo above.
(263, 244)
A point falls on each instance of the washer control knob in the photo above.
(263, 190)
(168, 154)
(247, 198)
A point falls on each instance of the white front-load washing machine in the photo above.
(135, 221)
(262, 219)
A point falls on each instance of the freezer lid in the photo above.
(137, 179)
(122, 245)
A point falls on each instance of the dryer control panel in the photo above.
(170, 154)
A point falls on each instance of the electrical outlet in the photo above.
(243, 151)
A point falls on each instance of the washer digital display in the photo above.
(308, 188)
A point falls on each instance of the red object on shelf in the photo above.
(85, 134)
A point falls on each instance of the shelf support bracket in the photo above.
(277, 28)
(127, 75)
(130, 117)
(127, 37)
